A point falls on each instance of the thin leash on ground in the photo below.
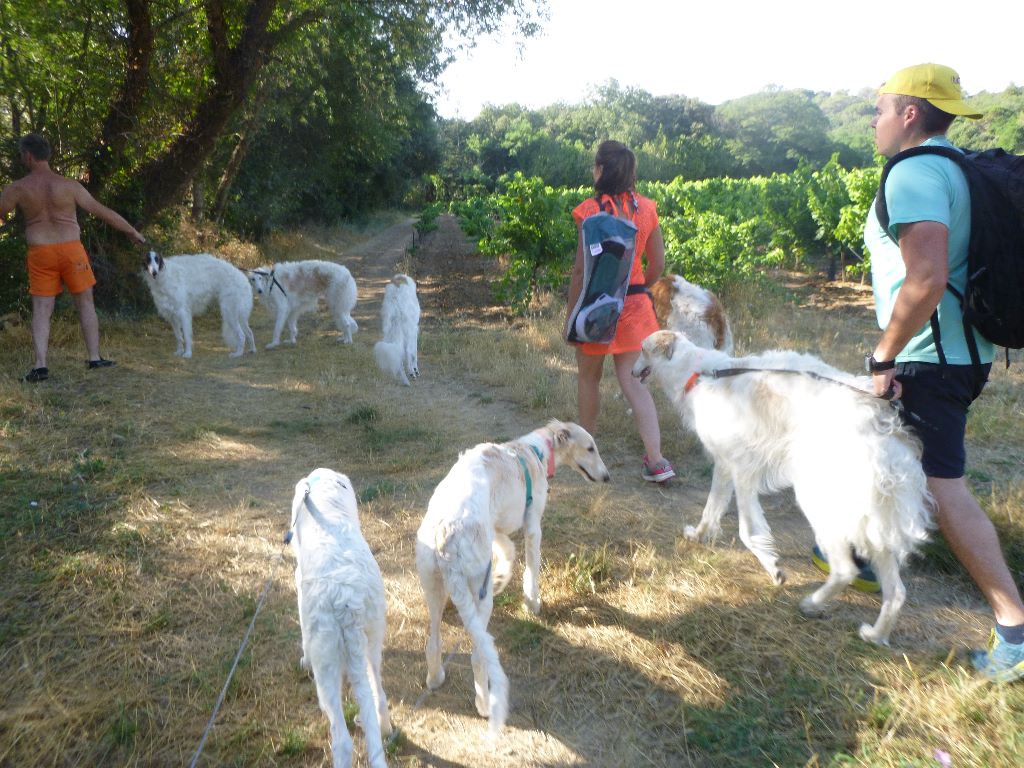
(245, 641)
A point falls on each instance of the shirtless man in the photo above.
(49, 203)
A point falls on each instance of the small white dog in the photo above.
(492, 491)
(293, 288)
(341, 610)
(183, 286)
(854, 468)
(693, 311)
(396, 353)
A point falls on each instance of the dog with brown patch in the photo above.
(692, 310)
(291, 289)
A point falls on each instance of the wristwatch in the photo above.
(874, 366)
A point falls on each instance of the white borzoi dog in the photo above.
(184, 286)
(293, 288)
(854, 468)
(341, 610)
(396, 353)
(492, 491)
(693, 311)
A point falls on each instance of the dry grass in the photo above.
(144, 509)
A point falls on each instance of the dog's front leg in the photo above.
(531, 572)
(185, 329)
(280, 316)
(754, 531)
(179, 337)
(718, 501)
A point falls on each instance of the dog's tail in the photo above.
(357, 667)
(464, 596)
(901, 491)
(389, 359)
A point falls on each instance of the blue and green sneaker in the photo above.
(1002, 662)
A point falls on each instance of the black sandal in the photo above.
(37, 374)
(101, 363)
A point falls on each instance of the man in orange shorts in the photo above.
(49, 202)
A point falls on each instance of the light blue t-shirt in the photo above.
(925, 188)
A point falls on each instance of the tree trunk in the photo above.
(123, 115)
(164, 180)
(198, 199)
(245, 136)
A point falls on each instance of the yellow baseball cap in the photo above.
(936, 84)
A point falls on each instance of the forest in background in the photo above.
(259, 115)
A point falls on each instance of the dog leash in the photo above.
(722, 373)
(238, 656)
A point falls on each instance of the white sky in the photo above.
(716, 50)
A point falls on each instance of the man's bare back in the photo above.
(50, 201)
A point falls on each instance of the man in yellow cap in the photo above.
(923, 249)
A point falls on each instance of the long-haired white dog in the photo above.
(341, 609)
(184, 286)
(492, 491)
(693, 311)
(854, 468)
(396, 353)
(293, 288)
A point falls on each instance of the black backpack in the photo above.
(993, 301)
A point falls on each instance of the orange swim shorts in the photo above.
(55, 263)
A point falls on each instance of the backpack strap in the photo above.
(881, 209)
(606, 202)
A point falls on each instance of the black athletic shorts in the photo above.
(935, 407)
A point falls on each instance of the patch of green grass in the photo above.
(376, 490)
(363, 414)
(588, 568)
(123, 727)
(292, 744)
(524, 635)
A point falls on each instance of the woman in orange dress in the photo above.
(614, 182)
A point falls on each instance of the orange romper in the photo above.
(638, 320)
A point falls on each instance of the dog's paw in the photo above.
(237, 353)
(272, 344)
(869, 635)
(811, 609)
(187, 355)
(698, 533)
(482, 707)
(533, 606)
(434, 682)
(779, 577)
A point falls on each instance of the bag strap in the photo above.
(605, 200)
